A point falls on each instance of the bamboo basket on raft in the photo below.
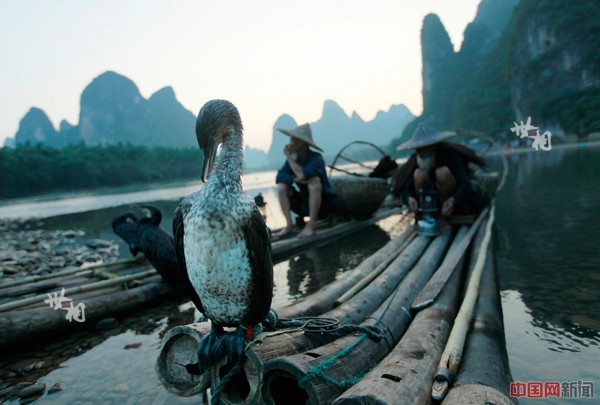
(357, 194)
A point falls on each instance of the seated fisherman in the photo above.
(302, 182)
(440, 164)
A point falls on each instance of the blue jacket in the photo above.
(312, 166)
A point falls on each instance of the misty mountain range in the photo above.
(113, 111)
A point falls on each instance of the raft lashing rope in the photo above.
(371, 331)
(219, 344)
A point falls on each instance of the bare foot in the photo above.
(307, 232)
(285, 231)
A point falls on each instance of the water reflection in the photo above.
(546, 236)
(112, 364)
(547, 241)
(310, 271)
(545, 353)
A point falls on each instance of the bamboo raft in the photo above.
(412, 294)
(110, 289)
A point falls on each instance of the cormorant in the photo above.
(145, 235)
(158, 246)
(126, 227)
(221, 240)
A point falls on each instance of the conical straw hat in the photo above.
(303, 133)
(424, 136)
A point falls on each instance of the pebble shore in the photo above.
(27, 252)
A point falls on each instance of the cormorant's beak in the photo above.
(209, 159)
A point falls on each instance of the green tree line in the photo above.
(29, 170)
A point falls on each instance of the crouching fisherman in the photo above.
(437, 168)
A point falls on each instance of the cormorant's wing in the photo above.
(126, 227)
(178, 233)
(159, 248)
(258, 244)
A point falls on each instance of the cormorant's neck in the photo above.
(228, 168)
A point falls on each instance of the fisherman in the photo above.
(302, 182)
(441, 166)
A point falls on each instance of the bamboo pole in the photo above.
(181, 344)
(359, 353)
(67, 281)
(476, 394)
(82, 270)
(324, 300)
(320, 224)
(178, 349)
(365, 302)
(382, 266)
(29, 288)
(437, 282)
(404, 376)
(109, 289)
(74, 290)
(450, 360)
(287, 247)
(353, 311)
(19, 327)
(484, 373)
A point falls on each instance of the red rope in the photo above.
(249, 333)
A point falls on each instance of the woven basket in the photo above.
(358, 196)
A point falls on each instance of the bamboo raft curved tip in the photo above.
(400, 367)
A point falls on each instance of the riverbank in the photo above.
(28, 250)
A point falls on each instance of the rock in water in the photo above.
(32, 390)
(56, 387)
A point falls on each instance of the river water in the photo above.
(546, 237)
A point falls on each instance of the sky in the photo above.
(268, 57)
